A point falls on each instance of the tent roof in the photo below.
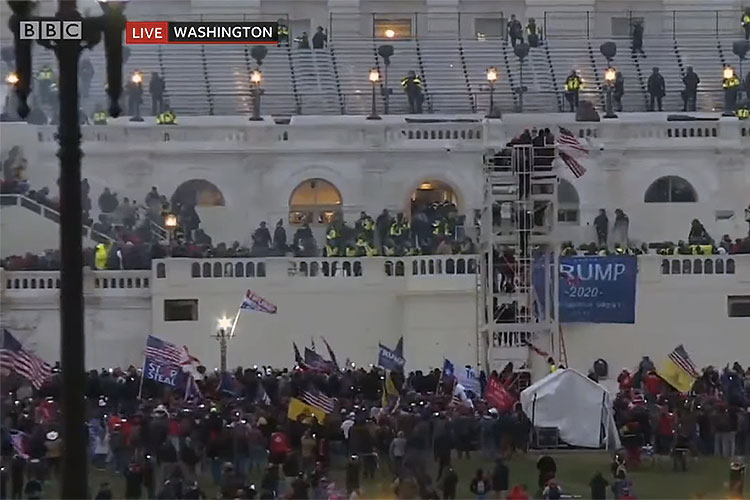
(557, 375)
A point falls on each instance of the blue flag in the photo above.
(163, 362)
(448, 369)
(228, 385)
(391, 359)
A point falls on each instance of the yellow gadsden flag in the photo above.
(298, 407)
(678, 370)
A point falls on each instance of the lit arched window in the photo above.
(430, 192)
(670, 189)
(315, 201)
(568, 203)
(198, 192)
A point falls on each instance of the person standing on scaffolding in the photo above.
(413, 87)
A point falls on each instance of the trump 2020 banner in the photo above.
(598, 289)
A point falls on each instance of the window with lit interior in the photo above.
(315, 201)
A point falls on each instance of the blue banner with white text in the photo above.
(598, 289)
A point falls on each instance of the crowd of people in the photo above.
(238, 429)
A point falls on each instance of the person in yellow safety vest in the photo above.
(619, 250)
(746, 23)
(389, 248)
(412, 85)
(100, 257)
(46, 78)
(352, 251)
(99, 117)
(283, 31)
(743, 112)
(573, 85)
(552, 366)
(332, 251)
(603, 252)
(731, 88)
(533, 33)
(168, 117)
(365, 224)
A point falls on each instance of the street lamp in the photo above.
(170, 224)
(389, 33)
(610, 74)
(374, 77)
(109, 26)
(256, 77)
(223, 334)
(731, 84)
(9, 113)
(136, 93)
(12, 79)
(492, 75)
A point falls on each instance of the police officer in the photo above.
(731, 88)
(46, 78)
(573, 86)
(99, 117)
(533, 33)
(412, 85)
(303, 42)
(283, 31)
(743, 110)
(168, 117)
(333, 239)
(515, 30)
(746, 23)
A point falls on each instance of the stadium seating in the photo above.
(205, 80)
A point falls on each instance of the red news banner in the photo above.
(160, 32)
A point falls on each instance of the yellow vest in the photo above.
(745, 19)
(731, 83)
(552, 368)
(351, 251)
(166, 118)
(395, 229)
(100, 118)
(573, 84)
(743, 113)
(332, 251)
(100, 258)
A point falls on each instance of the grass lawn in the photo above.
(705, 478)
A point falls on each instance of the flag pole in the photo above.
(236, 319)
(143, 376)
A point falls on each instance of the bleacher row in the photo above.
(214, 79)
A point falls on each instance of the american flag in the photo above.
(681, 358)
(254, 302)
(15, 358)
(570, 150)
(162, 352)
(315, 398)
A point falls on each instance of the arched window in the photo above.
(198, 192)
(670, 189)
(315, 201)
(568, 203)
(430, 192)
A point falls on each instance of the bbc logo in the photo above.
(50, 30)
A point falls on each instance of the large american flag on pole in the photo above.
(163, 353)
(15, 358)
(570, 150)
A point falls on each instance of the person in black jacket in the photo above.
(156, 88)
(319, 39)
(637, 38)
(601, 225)
(690, 93)
(500, 478)
(618, 91)
(279, 238)
(657, 89)
(598, 487)
(450, 482)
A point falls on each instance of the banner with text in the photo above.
(598, 289)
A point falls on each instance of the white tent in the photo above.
(579, 407)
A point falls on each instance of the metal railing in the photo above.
(48, 213)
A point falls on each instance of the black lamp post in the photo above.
(610, 75)
(374, 77)
(136, 93)
(74, 482)
(492, 75)
(256, 77)
(223, 335)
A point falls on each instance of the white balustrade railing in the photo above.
(350, 133)
(128, 282)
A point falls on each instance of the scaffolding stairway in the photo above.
(519, 255)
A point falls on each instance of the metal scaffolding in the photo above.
(519, 256)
